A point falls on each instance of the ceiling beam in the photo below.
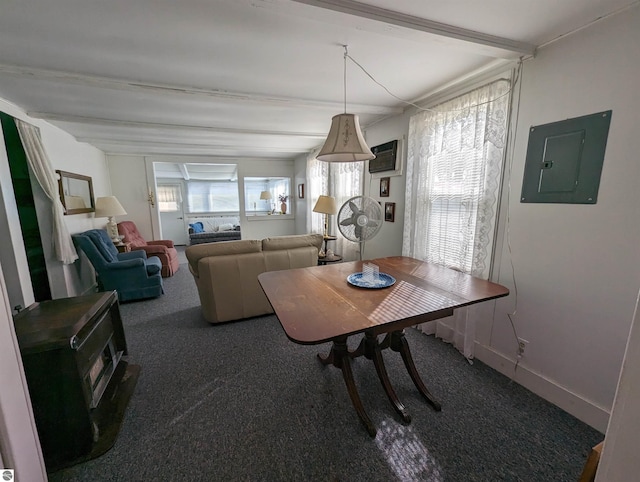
(215, 147)
(206, 155)
(70, 78)
(421, 24)
(184, 171)
(204, 158)
(76, 119)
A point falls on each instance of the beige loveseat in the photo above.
(226, 273)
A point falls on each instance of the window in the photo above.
(454, 168)
(317, 185)
(262, 195)
(453, 179)
(212, 197)
(342, 180)
(169, 198)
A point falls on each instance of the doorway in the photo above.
(171, 208)
(191, 190)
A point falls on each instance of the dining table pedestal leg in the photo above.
(339, 357)
(370, 348)
(398, 343)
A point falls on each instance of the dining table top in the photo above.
(318, 304)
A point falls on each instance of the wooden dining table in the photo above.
(319, 304)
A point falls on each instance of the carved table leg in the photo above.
(361, 350)
(339, 358)
(397, 342)
(370, 348)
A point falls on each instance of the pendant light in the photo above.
(345, 142)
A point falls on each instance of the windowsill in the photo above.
(270, 217)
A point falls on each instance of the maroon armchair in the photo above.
(162, 248)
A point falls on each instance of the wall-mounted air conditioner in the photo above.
(386, 156)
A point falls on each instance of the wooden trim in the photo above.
(591, 466)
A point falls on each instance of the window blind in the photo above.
(454, 170)
(212, 196)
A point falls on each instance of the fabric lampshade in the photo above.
(345, 142)
(265, 195)
(325, 205)
(109, 206)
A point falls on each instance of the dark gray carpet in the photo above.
(239, 401)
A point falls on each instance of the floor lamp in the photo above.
(326, 205)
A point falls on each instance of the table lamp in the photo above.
(108, 207)
(326, 205)
(266, 196)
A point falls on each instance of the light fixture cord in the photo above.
(346, 54)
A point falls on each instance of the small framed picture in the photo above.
(390, 212)
(300, 191)
(384, 186)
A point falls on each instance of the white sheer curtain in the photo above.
(317, 185)
(342, 180)
(169, 193)
(39, 163)
(346, 180)
(454, 165)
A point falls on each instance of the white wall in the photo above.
(300, 177)
(129, 184)
(576, 265)
(619, 461)
(388, 241)
(66, 154)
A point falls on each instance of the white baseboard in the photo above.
(591, 414)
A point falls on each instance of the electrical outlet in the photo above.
(522, 344)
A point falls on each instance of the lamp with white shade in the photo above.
(345, 142)
(326, 205)
(108, 207)
(266, 196)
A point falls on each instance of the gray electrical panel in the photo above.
(564, 160)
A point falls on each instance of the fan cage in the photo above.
(367, 209)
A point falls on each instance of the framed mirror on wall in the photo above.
(76, 192)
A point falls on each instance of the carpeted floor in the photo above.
(239, 401)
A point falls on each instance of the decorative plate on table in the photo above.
(384, 281)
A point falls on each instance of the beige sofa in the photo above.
(226, 273)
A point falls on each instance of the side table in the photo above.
(328, 238)
(329, 259)
(123, 247)
(334, 258)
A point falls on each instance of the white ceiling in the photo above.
(258, 79)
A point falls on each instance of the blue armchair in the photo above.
(132, 275)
